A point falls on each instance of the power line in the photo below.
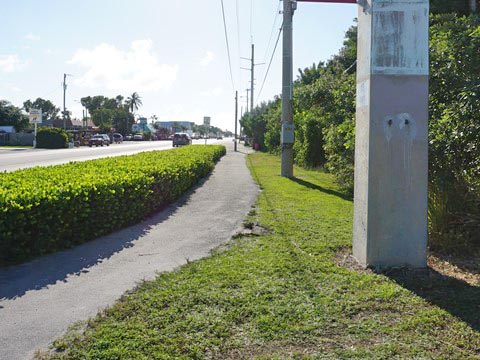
(238, 36)
(228, 47)
(270, 63)
(272, 32)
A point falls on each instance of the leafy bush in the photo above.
(454, 132)
(309, 140)
(45, 209)
(51, 138)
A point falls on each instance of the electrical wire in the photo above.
(228, 47)
(272, 32)
(270, 63)
(238, 37)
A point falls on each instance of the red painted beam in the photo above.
(331, 1)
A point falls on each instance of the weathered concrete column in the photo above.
(391, 145)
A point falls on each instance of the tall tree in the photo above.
(11, 115)
(134, 101)
(49, 110)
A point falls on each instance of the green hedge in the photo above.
(45, 209)
(51, 138)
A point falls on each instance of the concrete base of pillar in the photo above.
(391, 162)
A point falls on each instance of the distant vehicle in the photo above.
(219, 137)
(128, 137)
(138, 137)
(180, 139)
(117, 138)
(99, 140)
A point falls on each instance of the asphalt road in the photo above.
(40, 299)
(18, 158)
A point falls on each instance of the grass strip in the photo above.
(282, 295)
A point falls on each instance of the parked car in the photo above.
(138, 137)
(117, 138)
(99, 140)
(128, 137)
(219, 137)
(181, 139)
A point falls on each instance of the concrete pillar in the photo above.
(391, 145)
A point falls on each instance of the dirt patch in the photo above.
(464, 268)
(345, 259)
(252, 229)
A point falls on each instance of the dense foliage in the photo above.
(454, 130)
(324, 113)
(112, 112)
(50, 208)
(11, 115)
(49, 110)
(51, 138)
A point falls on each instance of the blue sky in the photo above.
(172, 53)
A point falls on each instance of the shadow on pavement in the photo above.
(455, 296)
(38, 274)
(322, 189)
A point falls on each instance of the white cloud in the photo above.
(16, 89)
(213, 92)
(207, 59)
(32, 37)
(11, 63)
(135, 70)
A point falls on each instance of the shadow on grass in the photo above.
(455, 296)
(322, 189)
(17, 280)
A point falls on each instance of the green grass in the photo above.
(15, 146)
(281, 295)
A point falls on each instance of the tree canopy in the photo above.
(49, 110)
(11, 115)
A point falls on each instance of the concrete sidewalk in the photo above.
(40, 299)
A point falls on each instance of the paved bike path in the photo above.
(40, 299)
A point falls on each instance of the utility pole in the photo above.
(287, 137)
(64, 108)
(252, 76)
(247, 90)
(236, 120)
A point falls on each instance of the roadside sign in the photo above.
(206, 120)
(35, 116)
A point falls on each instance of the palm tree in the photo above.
(154, 118)
(133, 102)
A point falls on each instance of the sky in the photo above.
(172, 53)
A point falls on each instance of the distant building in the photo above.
(142, 126)
(175, 124)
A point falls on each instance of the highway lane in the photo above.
(14, 159)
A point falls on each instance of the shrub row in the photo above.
(45, 209)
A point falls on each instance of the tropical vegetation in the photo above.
(324, 113)
(10, 115)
